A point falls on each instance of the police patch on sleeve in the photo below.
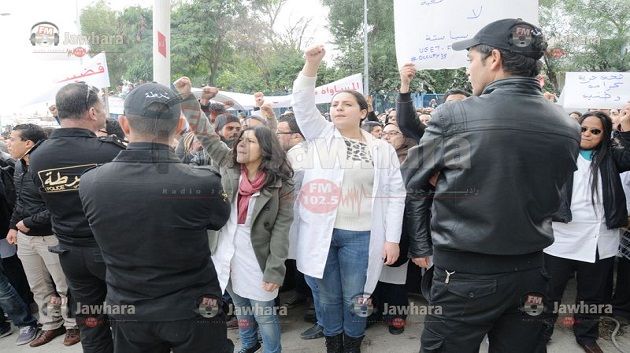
(63, 179)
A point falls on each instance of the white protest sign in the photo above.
(93, 72)
(426, 29)
(604, 90)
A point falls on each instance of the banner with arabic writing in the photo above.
(426, 29)
(604, 90)
(93, 72)
(323, 94)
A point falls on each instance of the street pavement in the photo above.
(378, 339)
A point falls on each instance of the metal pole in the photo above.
(366, 69)
(162, 42)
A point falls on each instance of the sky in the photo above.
(23, 71)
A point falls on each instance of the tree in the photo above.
(594, 35)
(126, 60)
(346, 25)
(199, 32)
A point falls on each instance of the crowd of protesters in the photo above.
(160, 230)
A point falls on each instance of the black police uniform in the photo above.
(57, 165)
(155, 246)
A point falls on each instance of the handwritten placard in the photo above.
(93, 72)
(605, 90)
(426, 29)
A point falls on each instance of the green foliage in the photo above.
(346, 26)
(594, 34)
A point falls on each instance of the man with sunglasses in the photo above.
(501, 157)
(57, 165)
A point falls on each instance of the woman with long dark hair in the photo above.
(252, 247)
(586, 226)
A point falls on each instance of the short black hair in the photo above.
(112, 127)
(455, 91)
(159, 128)
(370, 125)
(293, 125)
(513, 63)
(217, 108)
(30, 132)
(74, 99)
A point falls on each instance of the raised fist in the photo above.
(407, 72)
(260, 98)
(315, 54)
(183, 86)
(207, 93)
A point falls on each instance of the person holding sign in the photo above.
(498, 185)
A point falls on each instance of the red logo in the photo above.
(320, 196)
(79, 52)
(398, 322)
(161, 43)
(567, 321)
(91, 322)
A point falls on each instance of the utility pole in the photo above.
(366, 68)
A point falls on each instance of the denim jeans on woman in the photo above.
(254, 315)
(344, 278)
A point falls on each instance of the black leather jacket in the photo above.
(613, 197)
(29, 205)
(502, 158)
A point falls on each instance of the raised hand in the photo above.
(183, 86)
(313, 57)
(207, 93)
(407, 72)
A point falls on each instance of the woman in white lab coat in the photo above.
(586, 226)
(350, 207)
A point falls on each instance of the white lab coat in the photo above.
(587, 233)
(326, 160)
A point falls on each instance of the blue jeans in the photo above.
(312, 283)
(253, 315)
(344, 278)
(12, 304)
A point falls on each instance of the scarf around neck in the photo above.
(245, 191)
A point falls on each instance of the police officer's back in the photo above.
(154, 239)
(57, 166)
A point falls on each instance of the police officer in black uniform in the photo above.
(162, 286)
(57, 165)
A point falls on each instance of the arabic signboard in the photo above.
(604, 90)
(323, 94)
(93, 72)
(425, 30)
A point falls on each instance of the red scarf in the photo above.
(245, 191)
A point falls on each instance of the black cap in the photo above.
(153, 100)
(514, 35)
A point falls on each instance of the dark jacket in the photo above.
(502, 158)
(150, 214)
(407, 119)
(57, 165)
(613, 197)
(29, 205)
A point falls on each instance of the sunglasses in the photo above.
(89, 89)
(593, 131)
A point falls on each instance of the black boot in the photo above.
(351, 344)
(334, 344)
